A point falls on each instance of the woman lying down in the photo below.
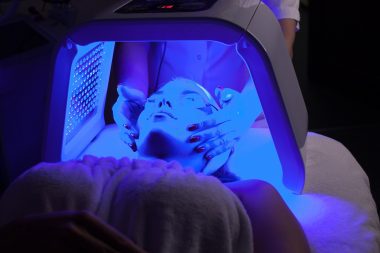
(161, 202)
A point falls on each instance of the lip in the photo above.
(160, 113)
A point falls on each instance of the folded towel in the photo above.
(159, 205)
(336, 209)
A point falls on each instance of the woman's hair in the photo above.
(206, 92)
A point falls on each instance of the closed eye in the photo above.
(194, 99)
(205, 109)
(208, 108)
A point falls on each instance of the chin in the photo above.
(164, 144)
(173, 129)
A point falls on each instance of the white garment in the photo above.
(209, 63)
(284, 8)
(213, 64)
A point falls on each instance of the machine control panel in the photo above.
(159, 6)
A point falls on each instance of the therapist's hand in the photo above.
(126, 111)
(62, 232)
(219, 134)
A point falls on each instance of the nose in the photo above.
(164, 102)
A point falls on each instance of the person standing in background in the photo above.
(140, 68)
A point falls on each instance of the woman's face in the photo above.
(173, 108)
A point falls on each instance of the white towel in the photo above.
(160, 206)
(336, 209)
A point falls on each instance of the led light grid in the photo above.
(84, 96)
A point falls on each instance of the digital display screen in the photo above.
(159, 6)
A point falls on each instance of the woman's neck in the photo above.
(159, 144)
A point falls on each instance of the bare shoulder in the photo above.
(256, 189)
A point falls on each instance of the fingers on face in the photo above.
(208, 123)
(126, 126)
(135, 106)
(203, 125)
(128, 136)
(220, 145)
(205, 147)
(120, 119)
(131, 134)
(126, 111)
(212, 133)
(130, 94)
(227, 146)
(130, 142)
(225, 96)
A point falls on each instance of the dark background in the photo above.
(336, 56)
(336, 59)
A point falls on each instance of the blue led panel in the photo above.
(84, 96)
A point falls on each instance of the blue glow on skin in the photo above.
(164, 121)
(257, 169)
(165, 137)
(163, 134)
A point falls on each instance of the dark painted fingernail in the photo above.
(220, 87)
(133, 146)
(208, 157)
(192, 127)
(194, 138)
(200, 149)
(134, 136)
(127, 126)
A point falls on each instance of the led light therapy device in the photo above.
(82, 71)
